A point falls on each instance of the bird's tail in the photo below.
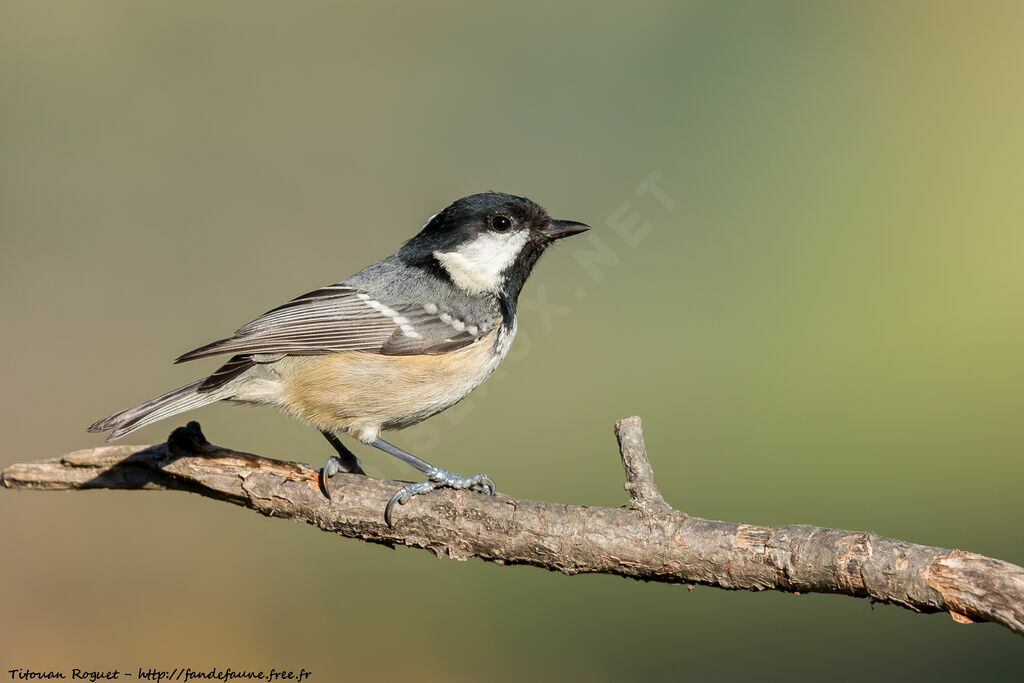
(171, 403)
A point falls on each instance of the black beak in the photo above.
(556, 230)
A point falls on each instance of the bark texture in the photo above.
(648, 540)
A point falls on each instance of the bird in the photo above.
(392, 345)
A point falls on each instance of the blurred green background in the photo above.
(825, 327)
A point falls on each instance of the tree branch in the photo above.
(649, 540)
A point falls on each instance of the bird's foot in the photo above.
(334, 465)
(438, 478)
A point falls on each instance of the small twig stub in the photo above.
(643, 492)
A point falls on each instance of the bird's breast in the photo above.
(363, 392)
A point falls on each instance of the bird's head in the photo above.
(487, 243)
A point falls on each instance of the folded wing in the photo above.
(333, 319)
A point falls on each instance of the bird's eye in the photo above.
(501, 223)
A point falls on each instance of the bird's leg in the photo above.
(344, 461)
(436, 478)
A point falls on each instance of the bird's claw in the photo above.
(438, 478)
(334, 465)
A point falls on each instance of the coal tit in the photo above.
(394, 344)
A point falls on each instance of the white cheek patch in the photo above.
(476, 267)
